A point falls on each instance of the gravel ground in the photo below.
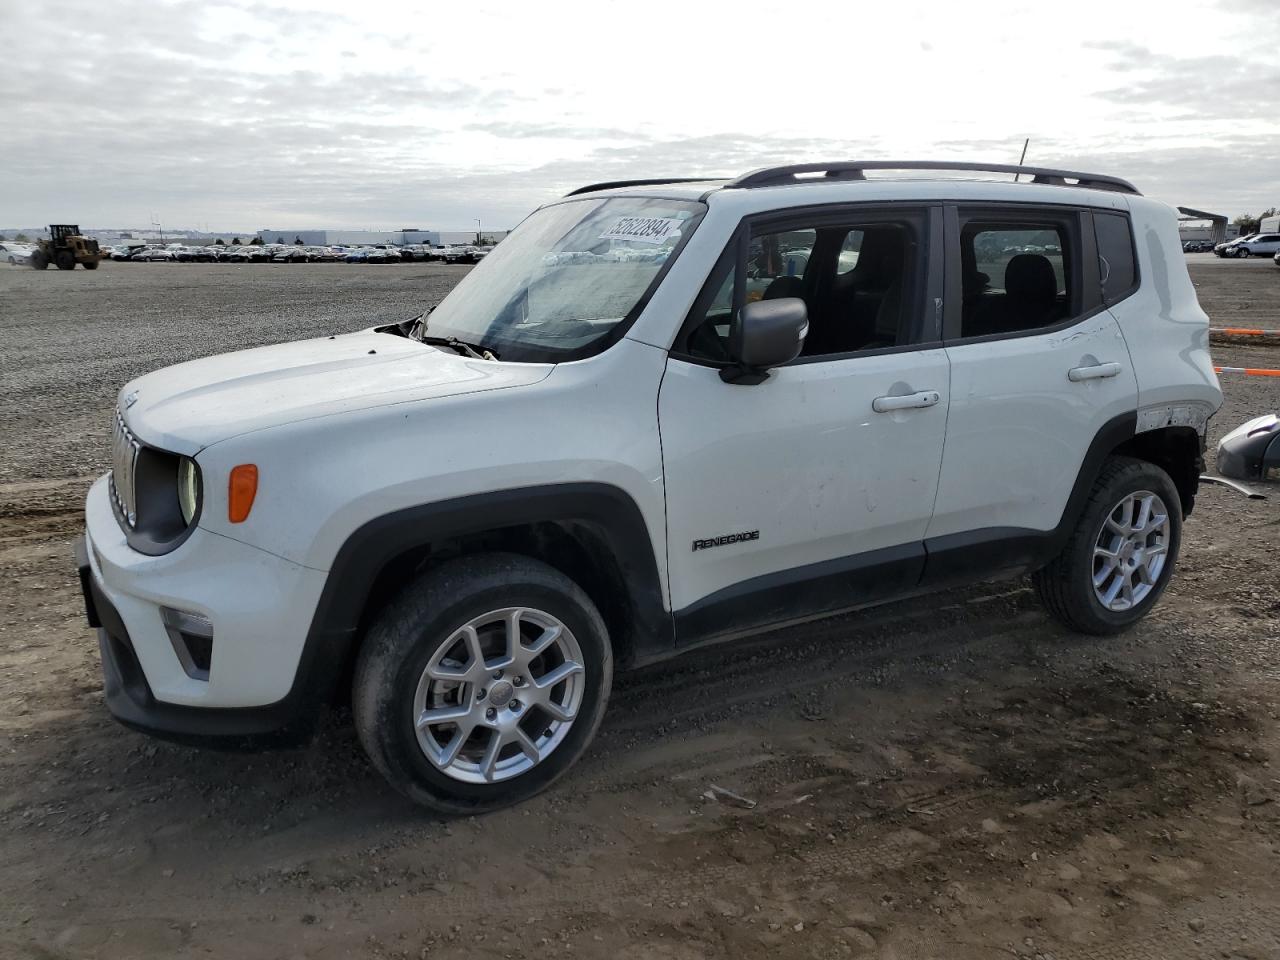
(956, 779)
(1240, 293)
(129, 318)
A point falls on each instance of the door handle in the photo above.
(1096, 372)
(925, 398)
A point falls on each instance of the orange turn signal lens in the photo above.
(241, 491)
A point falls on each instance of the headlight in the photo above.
(188, 489)
(156, 495)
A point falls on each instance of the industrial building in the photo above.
(1217, 230)
(1193, 231)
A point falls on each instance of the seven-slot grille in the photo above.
(124, 457)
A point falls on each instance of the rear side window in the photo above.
(1017, 276)
(1116, 268)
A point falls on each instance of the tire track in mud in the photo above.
(886, 844)
(42, 509)
(865, 649)
(703, 894)
(887, 851)
(1228, 932)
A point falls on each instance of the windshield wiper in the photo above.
(418, 325)
(418, 331)
(476, 350)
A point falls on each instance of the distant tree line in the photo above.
(1251, 224)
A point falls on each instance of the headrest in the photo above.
(784, 287)
(1030, 276)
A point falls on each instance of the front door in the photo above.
(809, 492)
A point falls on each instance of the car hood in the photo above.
(187, 407)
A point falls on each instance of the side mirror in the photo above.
(765, 334)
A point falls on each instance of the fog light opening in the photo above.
(192, 637)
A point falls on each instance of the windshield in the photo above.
(565, 279)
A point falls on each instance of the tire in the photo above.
(392, 687)
(1244, 253)
(1067, 587)
(39, 261)
(90, 264)
(65, 259)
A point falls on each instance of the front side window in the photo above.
(566, 279)
(860, 284)
(1015, 276)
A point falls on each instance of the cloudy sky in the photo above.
(239, 114)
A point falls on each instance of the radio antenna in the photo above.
(1022, 158)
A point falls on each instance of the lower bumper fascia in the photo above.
(288, 722)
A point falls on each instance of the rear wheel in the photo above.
(482, 683)
(1121, 554)
(65, 259)
(39, 261)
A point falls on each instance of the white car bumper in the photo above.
(260, 607)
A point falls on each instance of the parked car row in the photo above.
(296, 253)
(1253, 245)
(1197, 246)
(15, 253)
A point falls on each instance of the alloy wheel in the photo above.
(499, 695)
(1130, 551)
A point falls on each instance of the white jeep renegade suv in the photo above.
(660, 413)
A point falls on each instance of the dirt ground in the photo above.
(957, 778)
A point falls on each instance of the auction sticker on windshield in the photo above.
(642, 229)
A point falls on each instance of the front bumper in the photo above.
(260, 606)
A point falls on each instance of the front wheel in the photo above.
(1121, 554)
(39, 260)
(482, 683)
(1244, 253)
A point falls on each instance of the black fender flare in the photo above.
(608, 510)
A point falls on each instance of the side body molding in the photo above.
(895, 573)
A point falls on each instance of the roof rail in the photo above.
(853, 170)
(613, 184)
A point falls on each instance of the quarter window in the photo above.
(849, 250)
(1116, 269)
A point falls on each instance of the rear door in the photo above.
(1039, 369)
(811, 491)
